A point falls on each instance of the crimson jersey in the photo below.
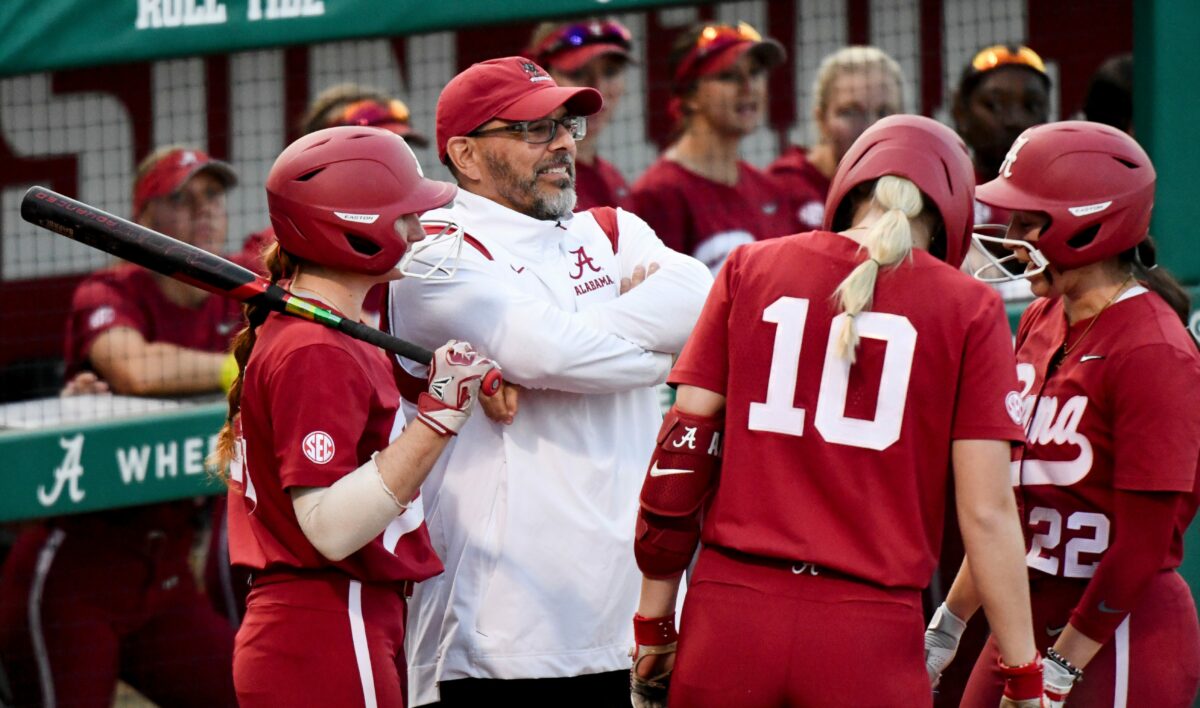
(599, 184)
(315, 406)
(707, 219)
(129, 296)
(846, 466)
(804, 184)
(1117, 413)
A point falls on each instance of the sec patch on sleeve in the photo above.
(1016, 410)
(318, 447)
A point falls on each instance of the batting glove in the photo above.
(454, 377)
(655, 636)
(1059, 676)
(1023, 685)
(941, 642)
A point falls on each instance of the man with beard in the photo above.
(533, 513)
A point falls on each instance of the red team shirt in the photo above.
(707, 219)
(846, 467)
(804, 184)
(1117, 414)
(129, 296)
(599, 184)
(304, 424)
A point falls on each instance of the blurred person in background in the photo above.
(595, 53)
(90, 598)
(1109, 97)
(1003, 90)
(855, 86)
(699, 196)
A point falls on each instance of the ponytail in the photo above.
(279, 264)
(1143, 261)
(888, 242)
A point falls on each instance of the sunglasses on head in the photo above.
(712, 39)
(372, 112)
(1001, 55)
(585, 33)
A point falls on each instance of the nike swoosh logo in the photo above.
(1090, 357)
(1055, 632)
(657, 471)
(516, 269)
(1105, 608)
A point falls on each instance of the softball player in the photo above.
(846, 373)
(322, 510)
(1108, 477)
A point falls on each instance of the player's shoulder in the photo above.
(123, 281)
(1148, 323)
(287, 343)
(663, 176)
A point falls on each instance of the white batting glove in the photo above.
(1057, 681)
(941, 642)
(455, 374)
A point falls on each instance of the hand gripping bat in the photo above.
(195, 266)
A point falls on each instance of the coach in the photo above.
(534, 518)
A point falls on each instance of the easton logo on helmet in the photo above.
(357, 218)
(1089, 209)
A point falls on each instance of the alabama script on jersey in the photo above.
(315, 405)
(846, 466)
(1098, 425)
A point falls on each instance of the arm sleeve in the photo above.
(1144, 524)
(987, 406)
(1156, 427)
(342, 518)
(316, 434)
(539, 345)
(704, 361)
(657, 315)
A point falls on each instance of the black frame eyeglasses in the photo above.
(537, 132)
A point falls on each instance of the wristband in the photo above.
(1076, 672)
(1022, 682)
(654, 631)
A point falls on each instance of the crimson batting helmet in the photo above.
(924, 152)
(1094, 182)
(334, 197)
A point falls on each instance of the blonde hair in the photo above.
(888, 242)
(856, 58)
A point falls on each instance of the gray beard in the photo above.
(525, 193)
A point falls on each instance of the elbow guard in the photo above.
(683, 472)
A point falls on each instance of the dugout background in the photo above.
(84, 94)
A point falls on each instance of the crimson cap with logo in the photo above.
(924, 152)
(1094, 182)
(510, 88)
(172, 170)
(334, 197)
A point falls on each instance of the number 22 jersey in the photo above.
(1116, 412)
(838, 465)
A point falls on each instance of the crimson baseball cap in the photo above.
(172, 170)
(510, 88)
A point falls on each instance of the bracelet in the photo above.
(1075, 671)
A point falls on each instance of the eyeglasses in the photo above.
(712, 39)
(372, 112)
(1000, 55)
(539, 131)
(578, 35)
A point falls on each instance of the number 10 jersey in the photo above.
(845, 466)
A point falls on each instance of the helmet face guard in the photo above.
(423, 261)
(995, 270)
